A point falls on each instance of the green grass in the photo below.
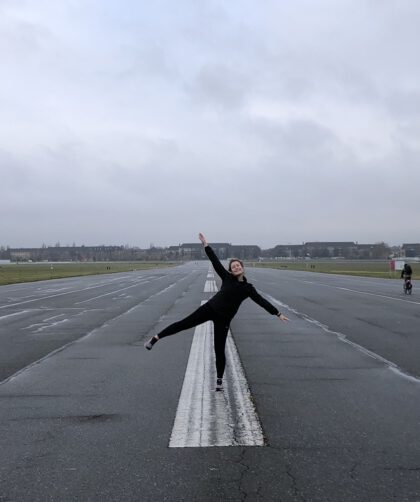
(351, 267)
(29, 272)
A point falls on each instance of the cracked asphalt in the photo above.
(88, 413)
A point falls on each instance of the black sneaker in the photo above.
(219, 384)
(149, 345)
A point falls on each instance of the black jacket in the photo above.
(406, 271)
(232, 293)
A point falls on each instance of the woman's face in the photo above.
(236, 268)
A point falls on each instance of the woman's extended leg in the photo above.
(202, 314)
(221, 329)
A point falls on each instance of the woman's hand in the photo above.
(202, 239)
(283, 318)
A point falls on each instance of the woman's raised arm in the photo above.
(218, 267)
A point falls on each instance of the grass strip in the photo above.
(28, 272)
(357, 268)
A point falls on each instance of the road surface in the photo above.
(323, 408)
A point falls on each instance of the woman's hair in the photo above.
(233, 260)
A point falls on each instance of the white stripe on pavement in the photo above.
(14, 314)
(343, 338)
(210, 287)
(208, 418)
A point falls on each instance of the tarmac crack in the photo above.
(353, 470)
(288, 471)
(243, 474)
(295, 488)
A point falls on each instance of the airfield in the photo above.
(323, 408)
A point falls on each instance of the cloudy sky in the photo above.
(268, 122)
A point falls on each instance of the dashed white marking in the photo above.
(343, 338)
(39, 298)
(53, 317)
(110, 293)
(210, 287)
(362, 292)
(52, 325)
(45, 324)
(14, 314)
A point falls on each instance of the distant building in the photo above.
(195, 251)
(245, 252)
(331, 249)
(374, 251)
(411, 250)
(285, 251)
(68, 253)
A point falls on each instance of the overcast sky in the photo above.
(270, 122)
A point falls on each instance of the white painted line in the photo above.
(53, 317)
(44, 324)
(197, 404)
(40, 298)
(208, 418)
(210, 287)
(343, 338)
(248, 429)
(205, 417)
(110, 293)
(14, 314)
(52, 325)
(362, 292)
(79, 340)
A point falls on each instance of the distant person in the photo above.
(406, 272)
(221, 308)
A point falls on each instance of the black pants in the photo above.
(221, 327)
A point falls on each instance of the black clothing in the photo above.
(406, 271)
(220, 309)
(221, 328)
(233, 292)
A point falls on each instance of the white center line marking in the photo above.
(210, 286)
(208, 418)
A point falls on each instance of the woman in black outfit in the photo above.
(221, 308)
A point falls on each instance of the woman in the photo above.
(221, 308)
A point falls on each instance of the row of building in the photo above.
(195, 251)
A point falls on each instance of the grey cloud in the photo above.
(151, 60)
(219, 85)
(143, 127)
(403, 104)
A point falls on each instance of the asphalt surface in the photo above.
(86, 413)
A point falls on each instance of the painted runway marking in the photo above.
(208, 418)
(111, 293)
(14, 314)
(361, 292)
(210, 286)
(343, 338)
(40, 298)
(205, 417)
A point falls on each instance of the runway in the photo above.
(87, 414)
